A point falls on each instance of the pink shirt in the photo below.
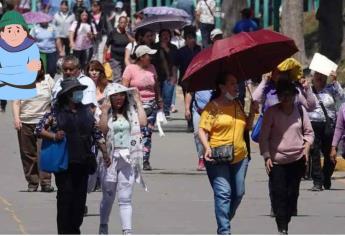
(143, 79)
(281, 137)
(82, 41)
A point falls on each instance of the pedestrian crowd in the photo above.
(102, 86)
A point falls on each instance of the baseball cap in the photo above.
(143, 49)
(215, 32)
(119, 4)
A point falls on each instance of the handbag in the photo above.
(224, 154)
(54, 156)
(329, 125)
(255, 135)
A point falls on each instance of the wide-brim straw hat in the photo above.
(115, 88)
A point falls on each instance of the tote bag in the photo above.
(54, 156)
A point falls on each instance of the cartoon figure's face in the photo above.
(14, 35)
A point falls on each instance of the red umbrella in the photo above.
(246, 55)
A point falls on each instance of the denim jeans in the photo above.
(206, 34)
(167, 95)
(228, 186)
(198, 144)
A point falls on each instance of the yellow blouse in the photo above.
(225, 125)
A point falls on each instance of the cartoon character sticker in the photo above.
(19, 58)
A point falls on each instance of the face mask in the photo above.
(77, 96)
(230, 97)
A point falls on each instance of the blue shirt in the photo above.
(45, 38)
(245, 25)
(201, 98)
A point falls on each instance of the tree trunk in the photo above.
(330, 20)
(292, 25)
(232, 9)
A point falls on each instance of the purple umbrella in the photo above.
(165, 11)
(157, 23)
(37, 17)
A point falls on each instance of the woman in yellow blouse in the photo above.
(222, 124)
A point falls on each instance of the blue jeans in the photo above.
(227, 182)
(167, 95)
(205, 30)
(198, 144)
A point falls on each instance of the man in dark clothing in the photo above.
(118, 40)
(183, 58)
(166, 70)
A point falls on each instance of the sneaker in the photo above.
(127, 232)
(86, 210)
(283, 232)
(201, 165)
(146, 165)
(47, 189)
(32, 189)
(327, 184)
(103, 229)
(173, 109)
(316, 188)
(272, 214)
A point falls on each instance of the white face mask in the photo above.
(230, 97)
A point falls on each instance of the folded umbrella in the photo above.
(37, 17)
(246, 55)
(157, 23)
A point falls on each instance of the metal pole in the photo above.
(249, 3)
(167, 3)
(159, 3)
(316, 4)
(257, 8)
(133, 10)
(218, 15)
(141, 4)
(310, 5)
(33, 6)
(266, 13)
(149, 3)
(276, 18)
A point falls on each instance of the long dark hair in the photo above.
(41, 73)
(221, 80)
(79, 21)
(123, 110)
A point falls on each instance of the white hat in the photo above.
(143, 49)
(119, 4)
(215, 32)
(113, 88)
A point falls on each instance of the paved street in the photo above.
(179, 200)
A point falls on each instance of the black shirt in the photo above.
(118, 42)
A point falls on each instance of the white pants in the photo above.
(124, 187)
(98, 49)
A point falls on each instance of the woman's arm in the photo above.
(141, 112)
(16, 112)
(103, 122)
(127, 57)
(258, 94)
(203, 135)
(71, 39)
(265, 134)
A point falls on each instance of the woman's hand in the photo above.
(59, 135)
(106, 160)
(268, 165)
(333, 76)
(208, 155)
(306, 152)
(105, 106)
(333, 155)
(17, 124)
